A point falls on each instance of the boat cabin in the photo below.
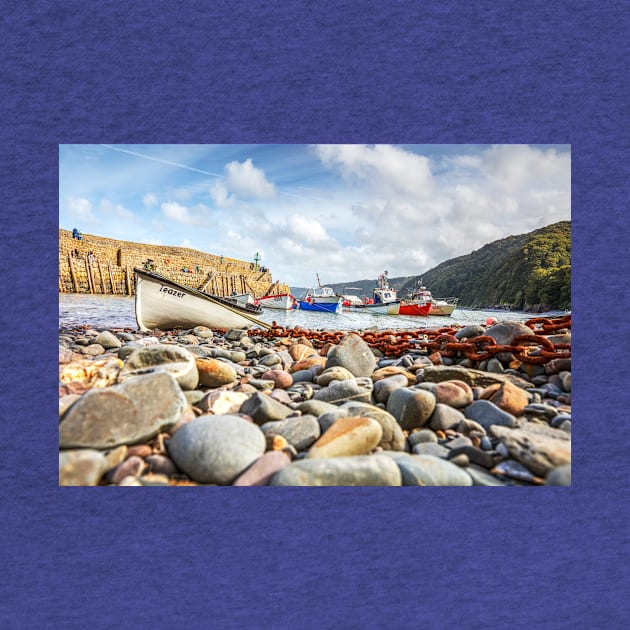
(319, 292)
(383, 294)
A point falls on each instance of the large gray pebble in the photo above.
(560, 476)
(385, 386)
(263, 408)
(427, 470)
(411, 407)
(216, 449)
(360, 470)
(353, 354)
(132, 412)
(108, 340)
(445, 417)
(487, 413)
(299, 431)
(430, 448)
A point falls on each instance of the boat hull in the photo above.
(416, 309)
(164, 304)
(281, 302)
(442, 309)
(242, 299)
(321, 307)
(391, 308)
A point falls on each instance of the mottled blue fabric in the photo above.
(286, 72)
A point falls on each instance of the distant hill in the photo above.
(526, 272)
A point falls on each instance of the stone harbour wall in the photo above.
(96, 264)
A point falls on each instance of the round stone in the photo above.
(385, 386)
(445, 417)
(263, 408)
(280, 378)
(216, 449)
(422, 436)
(108, 340)
(353, 354)
(360, 470)
(336, 373)
(428, 470)
(351, 435)
(511, 398)
(215, 373)
(454, 393)
(411, 407)
(393, 437)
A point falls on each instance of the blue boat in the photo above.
(321, 307)
(322, 299)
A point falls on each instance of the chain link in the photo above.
(535, 348)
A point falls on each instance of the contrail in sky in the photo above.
(188, 168)
(148, 157)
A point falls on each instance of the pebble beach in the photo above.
(200, 407)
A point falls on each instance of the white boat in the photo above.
(280, 301)
(349, 299)
(240, 299)
(165, 304)
(384, 299)
(439, 306)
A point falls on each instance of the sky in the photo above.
(345, 212)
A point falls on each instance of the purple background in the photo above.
(236, 72)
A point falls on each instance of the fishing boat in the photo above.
(165, 304)
(350, 299)
(322, 299)
(439, 306)
(417, 309)
(384, 300)
(240, 299)
(280, 301)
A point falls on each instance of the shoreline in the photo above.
(315, 407)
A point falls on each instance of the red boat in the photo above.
(439, 306)
(414, 308)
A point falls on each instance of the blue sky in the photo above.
(346, 212)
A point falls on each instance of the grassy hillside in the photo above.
(528, 271)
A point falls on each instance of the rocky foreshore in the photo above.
(198, 407)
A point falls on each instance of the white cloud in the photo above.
(220, 195)
(177, 212)
(388, 169)
(307, 230)
(181, 194)
(116, 211)
(519, 167)
(79, 208)
(247, 181)
(149, 200)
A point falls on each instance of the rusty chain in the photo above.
(535, 348)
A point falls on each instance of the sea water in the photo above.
(113, 311)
